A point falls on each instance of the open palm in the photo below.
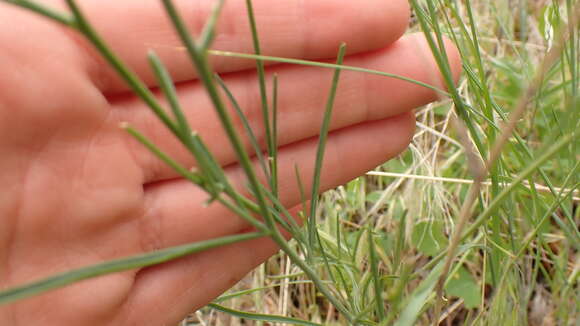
(77, 190)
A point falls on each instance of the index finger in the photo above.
(287, 28)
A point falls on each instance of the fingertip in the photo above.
(404, 10)
(392, 22)
(404, 126)
(364, 27)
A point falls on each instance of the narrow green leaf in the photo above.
(273, 159)
(322, 145)
(376, 277)
(168, 87)
(132, 80)
(194, 178)
(208, 34)
(246, 124)
(261, 79)
(237, 294)
(326, 65)
(119, 265)
(262, 317)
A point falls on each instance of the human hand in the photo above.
(78, 191)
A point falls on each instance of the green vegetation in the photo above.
(386, 236)
(477, 223)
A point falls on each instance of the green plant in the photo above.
(396, 286)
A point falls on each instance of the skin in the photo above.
(77, 190)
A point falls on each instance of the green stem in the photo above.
(322, 144)
(245, 123)
(206, 77)
(273, 160)
(324, 65)
(193, 177)
(140, 89)
(202, 182)
(262, 83)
